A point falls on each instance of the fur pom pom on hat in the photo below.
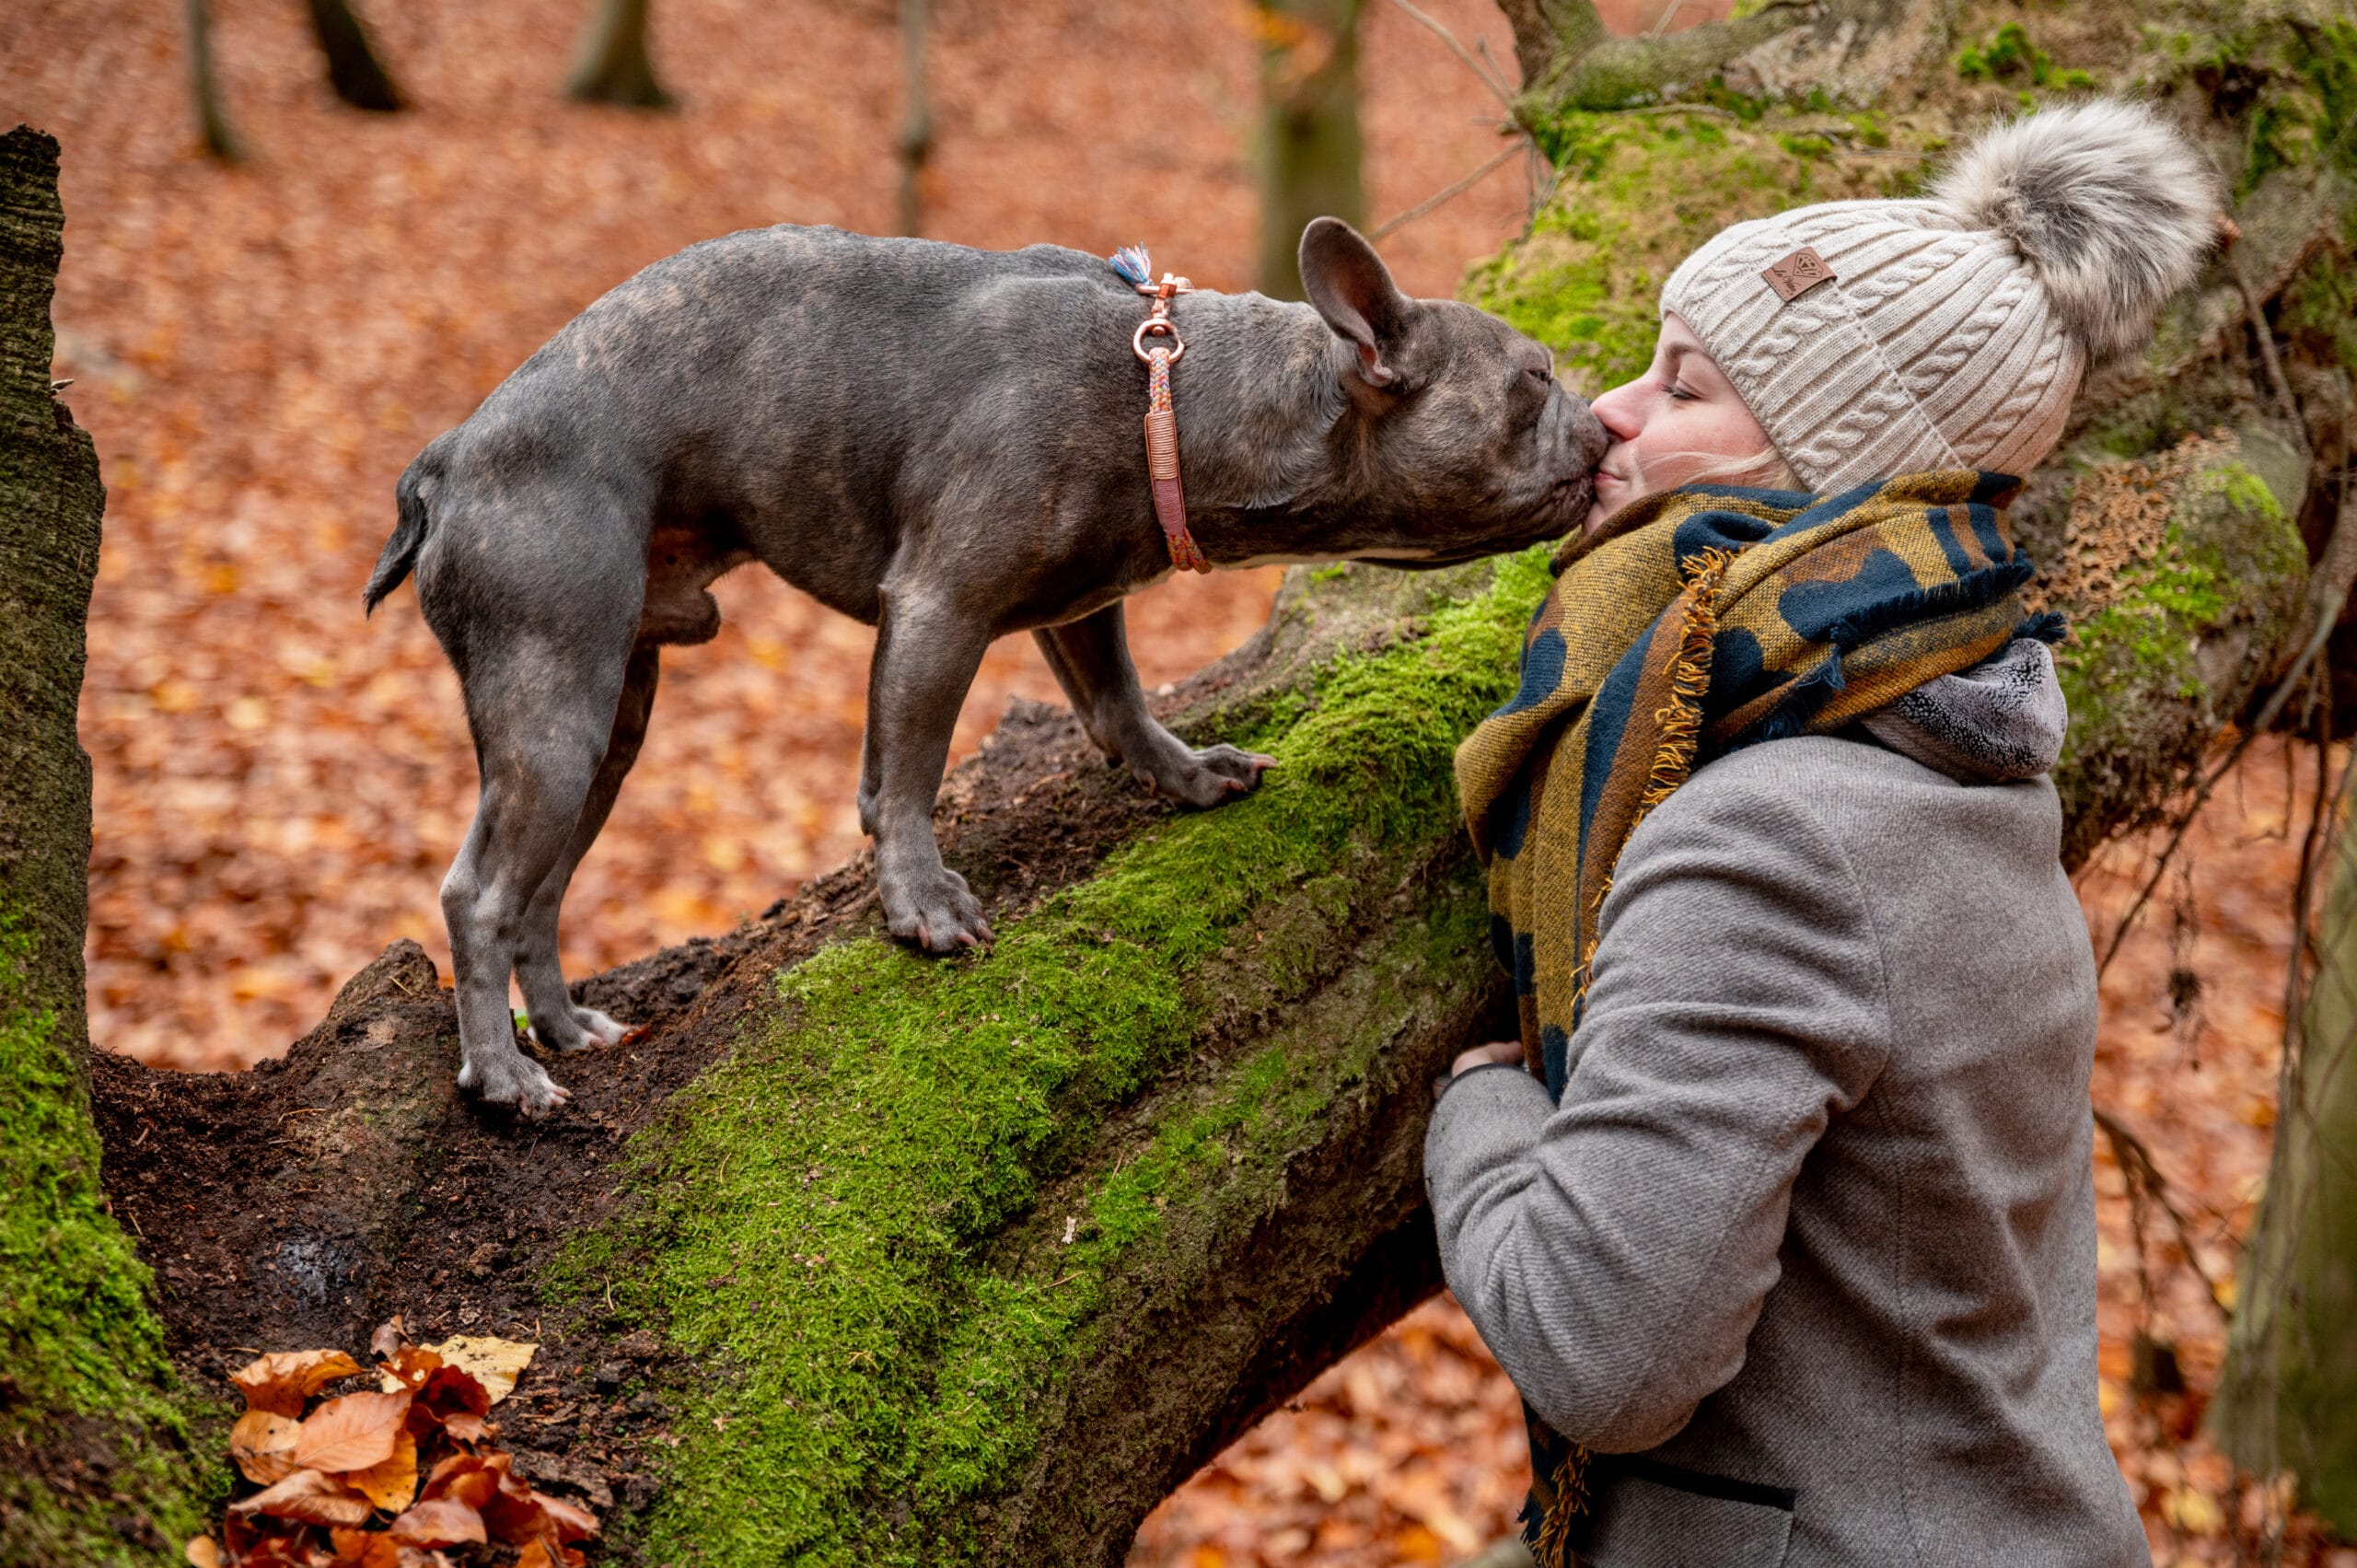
(1953, 330)
(2107, 206)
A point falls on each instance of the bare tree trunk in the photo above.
(1310, 145)
(2290, 1380)
(354, 70)
(212, 116)
(94, 1458)
(915, 144)
(613, 66)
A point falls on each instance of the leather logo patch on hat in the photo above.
(1797, 274)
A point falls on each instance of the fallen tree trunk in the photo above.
(861, 1258)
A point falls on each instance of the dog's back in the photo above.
(780, 392)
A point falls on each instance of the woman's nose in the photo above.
(1617, 410)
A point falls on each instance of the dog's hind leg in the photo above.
(1091, 659)
(558, 1022)
(542, 709)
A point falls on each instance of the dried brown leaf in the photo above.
(467, 1427)
(262, 1444)
(572, 1522)
(538, 1554)
(471, 1479)
(309, 1497)
(282, 1380)
(438, 1522)
(364, 1549)
(388, 1340)
(408, 1368)
(391, 1482)
(496, 1363)
(447, 1389)
(354, 1433)
(203, 1552)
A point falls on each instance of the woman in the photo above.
(1788, 1237)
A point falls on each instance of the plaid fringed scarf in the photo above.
(1709, 618)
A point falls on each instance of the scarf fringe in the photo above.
(1680, 719)
(1553, 1546)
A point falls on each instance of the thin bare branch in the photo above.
(1496, 83)
(2144, 1176)
(1447, 194)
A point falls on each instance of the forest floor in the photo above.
(260, 349)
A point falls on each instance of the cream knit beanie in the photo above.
(1878, 338)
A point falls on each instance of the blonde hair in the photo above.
(1764, 469)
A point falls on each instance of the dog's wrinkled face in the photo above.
(1457, 441)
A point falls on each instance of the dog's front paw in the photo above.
(933, 910)
(1207, 777)
(514, 1079)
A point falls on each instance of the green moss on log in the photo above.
(2151, 674)
(97, 1443)
(821, 1222)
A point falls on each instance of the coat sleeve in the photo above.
(1614, 1251)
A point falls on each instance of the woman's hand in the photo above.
(1497, 1053)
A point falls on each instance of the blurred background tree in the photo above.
(612, 64)
(354, 70)
(1310, 145)
(212, 115)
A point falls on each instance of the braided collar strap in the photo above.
(1156, 341)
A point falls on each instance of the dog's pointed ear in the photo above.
(1348, 282)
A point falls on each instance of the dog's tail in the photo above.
(409, 530)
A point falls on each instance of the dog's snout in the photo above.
(1587, 435)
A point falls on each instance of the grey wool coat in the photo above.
(1807, 1253)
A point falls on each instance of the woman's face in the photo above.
(1679, 420)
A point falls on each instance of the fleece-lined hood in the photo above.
(2003, 719)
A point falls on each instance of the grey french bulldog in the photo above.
(944, 443)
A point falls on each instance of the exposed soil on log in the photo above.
(303, 1201)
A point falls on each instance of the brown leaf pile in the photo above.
(394, 1477)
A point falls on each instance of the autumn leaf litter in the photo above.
(407, 1474)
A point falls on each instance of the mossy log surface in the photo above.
(860, 1258)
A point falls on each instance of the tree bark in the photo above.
(2290, 1378)
(613, 66)
(354, 70)
(1310, 144)
(95, 1464)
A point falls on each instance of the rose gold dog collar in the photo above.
(1165, 349)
